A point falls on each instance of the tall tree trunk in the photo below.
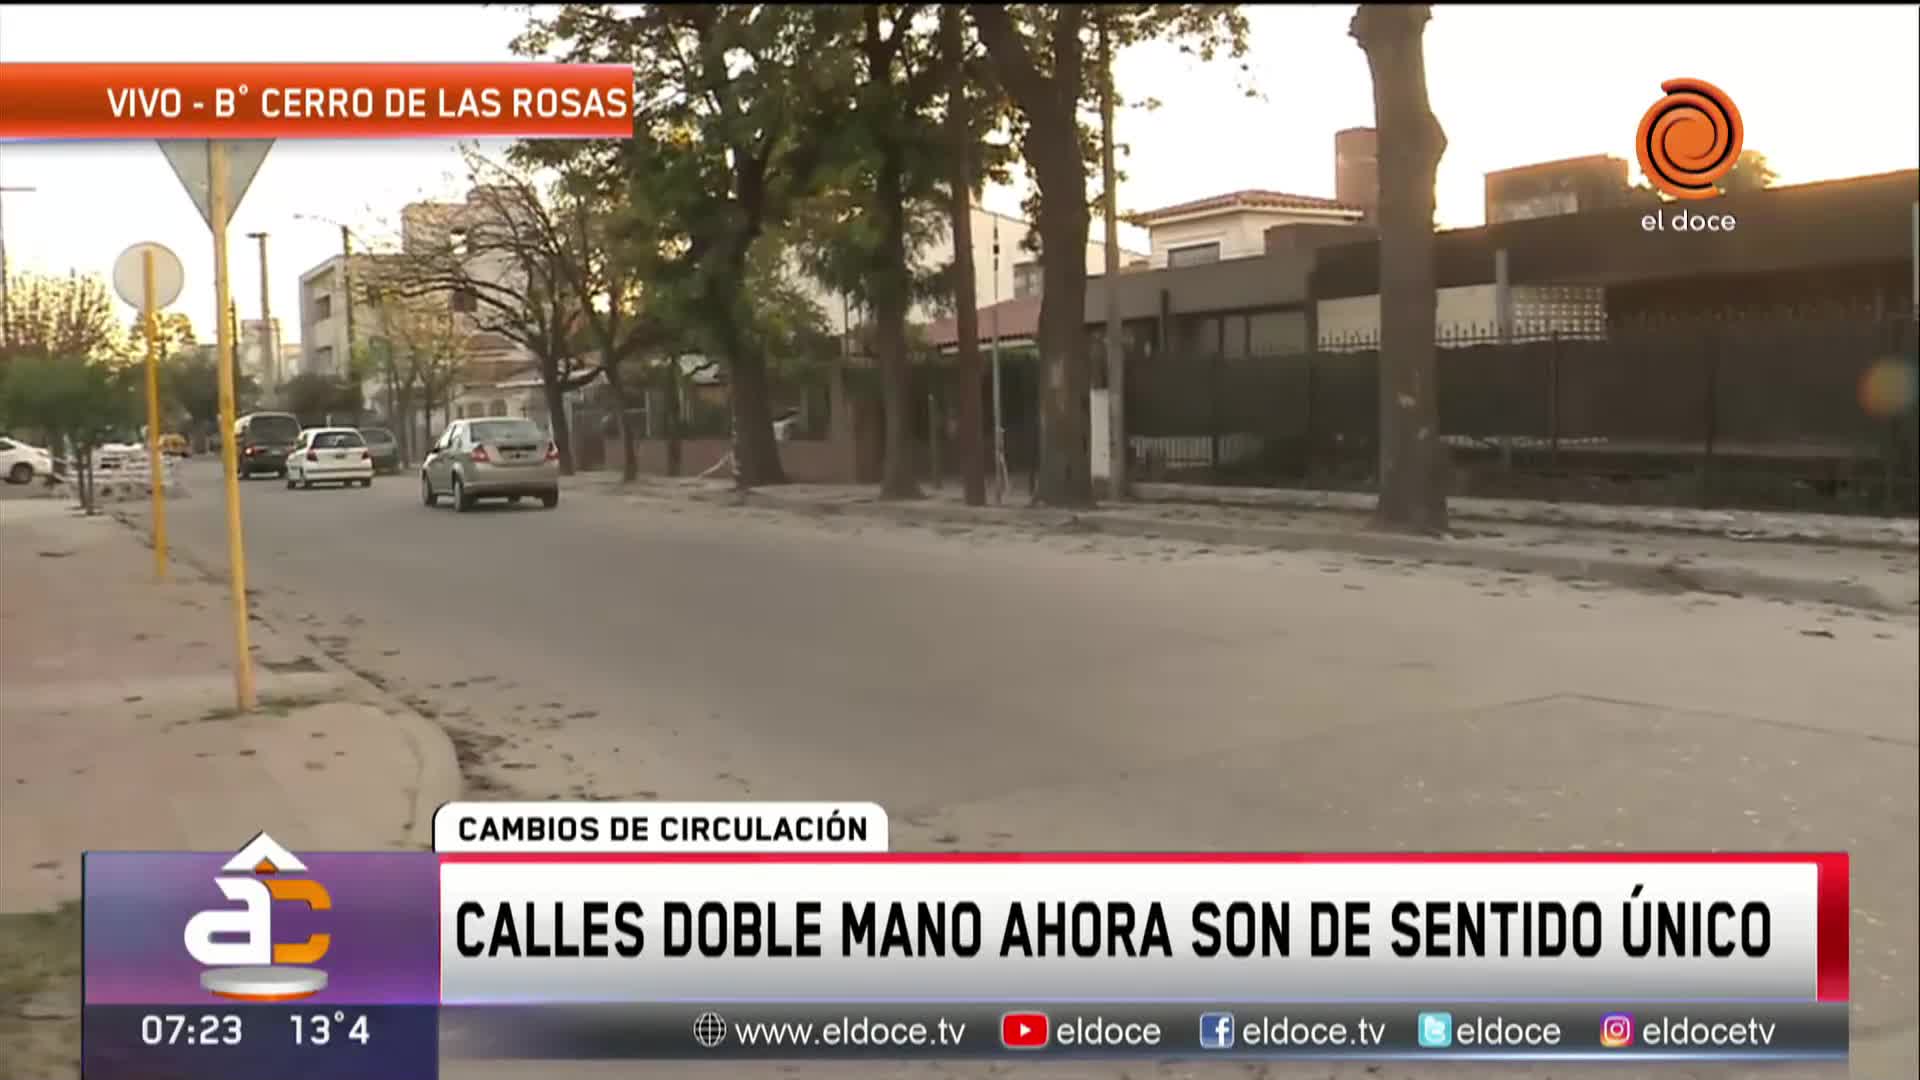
(890, 332)
(623, 409)
(960, 143)
(1065, 476)
(756, 455)
(1413, 460)
(672, 416)
(556, 397)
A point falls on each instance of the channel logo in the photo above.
(1689, 139)
(1616, 1031)
(253, 968)
(1436, 1030)
(1216, 1031)
(1024, 1030)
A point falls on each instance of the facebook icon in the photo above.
(1216, 1031)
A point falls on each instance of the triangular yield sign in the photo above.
(192, 161)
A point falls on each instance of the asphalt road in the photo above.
(995, 689)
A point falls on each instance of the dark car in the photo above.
(386, 449)
(262, 441)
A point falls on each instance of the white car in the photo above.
(330, 455)
(22, 463)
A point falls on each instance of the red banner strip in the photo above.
(315, 101)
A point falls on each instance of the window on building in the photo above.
(1276, 333)
(322, 307)
(1233, 337)
(1194, 254)
(1026, 280)
(464, 299)
(498, 408)
(1196, 336)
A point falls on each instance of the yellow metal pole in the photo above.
(157, 473)
(229, 457)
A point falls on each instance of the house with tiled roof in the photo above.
(1233, 225)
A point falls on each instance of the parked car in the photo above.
(22, 463)
(329, 456)
(386, 449)
(263, 440)
(492, 458)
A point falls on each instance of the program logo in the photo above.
(1689, 139)
(1616, 1031)
(236, 945)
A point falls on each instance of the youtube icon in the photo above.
(1024, 1030)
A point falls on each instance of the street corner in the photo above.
(353, 774)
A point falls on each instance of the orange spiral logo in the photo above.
(1689, 139)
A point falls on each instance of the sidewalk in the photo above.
(1866, 563)
(117, 731)
(118, 727)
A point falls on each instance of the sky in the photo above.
(1826, 91)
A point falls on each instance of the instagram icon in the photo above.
(1616, 1030)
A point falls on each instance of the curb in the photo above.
(1657, 577)
(1896, 534)
(439, 780)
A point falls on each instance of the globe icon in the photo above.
(709, 1030)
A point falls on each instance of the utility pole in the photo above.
(269, 348)
(233, 335)
(999, 419)
(346, 278)
(1118, 483)
(3, 256)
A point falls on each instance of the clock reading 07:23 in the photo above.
(175, 1029)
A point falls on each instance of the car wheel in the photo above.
(21, 473)
(427, 497)
(462, 502)
(550, 499)
(513, 500)
(289, 484)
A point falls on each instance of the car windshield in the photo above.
(505, 431)
(377, 436)
(337, 440)
(281, 429)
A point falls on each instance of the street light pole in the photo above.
(3, 256)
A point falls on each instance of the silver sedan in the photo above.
(488, 459)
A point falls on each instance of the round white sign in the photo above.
(129, 272)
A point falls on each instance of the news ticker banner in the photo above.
(315, 101)
(676, 931)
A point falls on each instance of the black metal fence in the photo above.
(1785, 413)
